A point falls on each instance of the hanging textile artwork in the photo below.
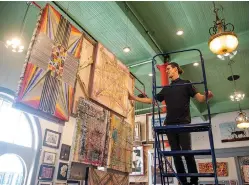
(47, 84)
(107, 178)
(83, 76)
(91, 141)
(207, 167)
(120, 145)
(110, 81)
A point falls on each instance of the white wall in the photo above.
(200, 140)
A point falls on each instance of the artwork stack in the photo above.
(66, 74)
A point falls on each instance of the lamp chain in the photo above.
(24, 19)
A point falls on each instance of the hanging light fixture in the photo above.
(223, 40)
(235, 96)
(241, 120)
(15, 44)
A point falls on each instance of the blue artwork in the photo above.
(230, 132)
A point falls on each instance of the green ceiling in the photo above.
(107, 23)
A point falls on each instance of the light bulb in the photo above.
(126, 49)
(180, 32)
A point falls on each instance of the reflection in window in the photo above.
(14, 126)
(11, 170)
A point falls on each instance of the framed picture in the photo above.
(245, 172)
(231, 133)
(65, 152)
(77, 171)
(62, 171)
(45, 183)
(151, 169)
(137, 161)
(52, 139)
(46, 173)
(137, 132)
(49, 157)
(73, 182)
(222, 182)
(150, 133)
(207, 167)
(60, 183)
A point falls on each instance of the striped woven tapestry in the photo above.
(47, 83)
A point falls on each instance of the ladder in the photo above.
(159, 150)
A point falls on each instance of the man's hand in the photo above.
(210, 95)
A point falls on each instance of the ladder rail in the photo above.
(157, 145)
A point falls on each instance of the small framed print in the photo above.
(65, 152)
(49, 157)
(62, 171)
(52, 139)
(46, 172)
(45, 183)
(73, 182)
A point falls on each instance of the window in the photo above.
(12, 170)
(14, 125)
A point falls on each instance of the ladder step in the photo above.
(201, 127)
(189, 175)
(193, 83)
(186, 152)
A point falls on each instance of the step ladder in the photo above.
(159, 150)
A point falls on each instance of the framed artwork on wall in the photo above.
(65, 152)
(244, 168)
(62, 171)
(137, 131)
(49, 157)
(52, 139)
(207, 167)
(45, 183)
(46, 173)
(137, 161)
(150, 132)
(231, 133)
(73, 182)
(77, 171)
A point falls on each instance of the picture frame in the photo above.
(44, 183)
(231, 133)
(137, 161)
(52, 139)
(207, 167)
(62, 171)
(149, 125)
(73, 182)
(137, 131)
(60, 183)
(65, 152)
(46, 172)
(77, 171)
(49, 157)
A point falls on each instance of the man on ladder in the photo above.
(177, 101)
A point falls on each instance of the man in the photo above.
(177, 100)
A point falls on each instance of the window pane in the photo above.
(11, 170)
(14, 127)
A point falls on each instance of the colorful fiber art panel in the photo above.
(107, 178)
(91, 142)
(222, 168)
(47, 83)
(110, 81)
(83, 75)
(120, 145)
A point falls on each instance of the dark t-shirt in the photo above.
(177, 100)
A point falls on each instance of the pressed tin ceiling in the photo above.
(107, 23)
